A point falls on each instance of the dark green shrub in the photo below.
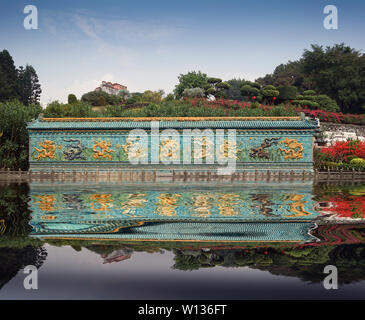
(287, 93)
(71, 99)
(306, 104)
(326, 103)
(14, 140)
(249, 91)
(59, 110)
(93, 98)
(309, 93)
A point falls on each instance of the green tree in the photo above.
(92, 98)
(14, 140)
(287, 93)
(289, 74)
(190, 80)
(8, 77)
(216, 87)
(269, 93)
(326, 103)
(338, 72)
(170, 97)
(234, 90)
(56, 109)
(250, 89)
(28, 85)
(71, 99)
(151, 96)
(135, 97)
(307, 100)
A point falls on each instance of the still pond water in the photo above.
(182, 241)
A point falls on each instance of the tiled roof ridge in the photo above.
(182, 119)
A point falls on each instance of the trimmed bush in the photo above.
(326, 103)
(309, 93)
(249, 91)
(358, 162)
(287, 93)
(71, 99)
(306, 104)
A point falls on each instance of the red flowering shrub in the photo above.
(344, 151)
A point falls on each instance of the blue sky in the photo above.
(147, 44)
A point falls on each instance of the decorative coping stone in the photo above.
(174, 122)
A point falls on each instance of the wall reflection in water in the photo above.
(263, 228)
(241, 214)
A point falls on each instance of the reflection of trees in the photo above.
(306, 263)
(15, 216)
(322, 191)
(14, 259)
(14, 210)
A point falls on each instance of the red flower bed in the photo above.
(341, 151)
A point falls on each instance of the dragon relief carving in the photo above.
(295, 149)
(47, 151)
(261, 151)
(104, 151)
(133, 149)
(169, 149)
(203, 147)
(74, 150)
(229, 150)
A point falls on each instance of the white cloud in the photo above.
(88, 26)
(123, 29)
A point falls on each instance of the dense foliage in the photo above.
(14, 138)
(21, 84)
(93, 98)
(171, 108)
(234, 90)
(190, 80)
(337, 71)
(8, 77)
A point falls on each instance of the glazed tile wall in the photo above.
(58, 147)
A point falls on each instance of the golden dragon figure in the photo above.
(47, 151)
(104, 151)
(295, 149)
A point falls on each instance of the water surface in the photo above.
(182, 242)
